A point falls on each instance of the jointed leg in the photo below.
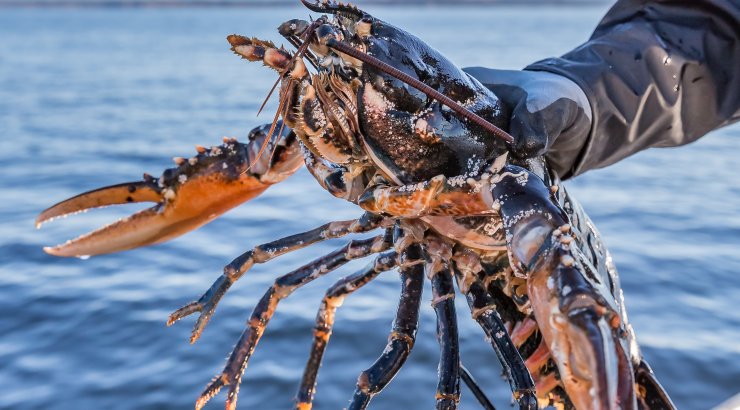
(403, 333)
(440, 196)
(265, 308)
(279, 59)
(437, 196)
(477, 391)
(483, 309)
(325, 320)
(443, 300)
(261, 254)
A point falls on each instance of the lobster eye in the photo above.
(294, 27)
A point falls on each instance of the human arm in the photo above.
(655, 74)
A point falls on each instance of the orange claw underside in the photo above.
(187, 197)
(594, 367)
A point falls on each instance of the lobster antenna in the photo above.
(473, 386)
(268, 138)
(274, 86)
(431, 92)
(274, 146)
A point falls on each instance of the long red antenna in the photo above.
(431, 92)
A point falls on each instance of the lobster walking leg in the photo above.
(483, 310)
(261, 254)
(254, 49)
(265, 308)
(443, 300)
(437, 196)
(475, 388)
(403, 333)
(325, 320)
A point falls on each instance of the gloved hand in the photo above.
(550, 114)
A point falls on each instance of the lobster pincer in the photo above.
(188, 196)
(573, 298)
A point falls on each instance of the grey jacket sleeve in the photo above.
(657, 73)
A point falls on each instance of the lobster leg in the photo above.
(483, 310)
(403, 333)
(586, 335)
(439, 196)
(443, 300)
(475, 388)
(336, 179)
(261, 254)
(262, 313)
(253, 49)
(325, 321)
(197, 191)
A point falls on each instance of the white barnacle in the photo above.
(498, 163)
(457, 181)
(308, 158)
(193, 161)
(470, 102)
(491, 228)
(375, 102)
(169, 194)
(522, 178)
(558, 321)
(318, 115)
(182, 178)
(567, 260)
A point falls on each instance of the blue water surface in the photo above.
(94, 97)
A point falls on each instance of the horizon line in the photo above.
(118, 4)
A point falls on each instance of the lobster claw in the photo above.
(197, 191)
(585, 333)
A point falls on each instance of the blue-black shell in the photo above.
(458, 146)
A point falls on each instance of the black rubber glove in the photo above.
(549, 114)
(657, 73)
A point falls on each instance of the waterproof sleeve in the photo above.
(658, 73)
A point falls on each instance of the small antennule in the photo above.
(282, 108)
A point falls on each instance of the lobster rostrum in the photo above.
(386, 122)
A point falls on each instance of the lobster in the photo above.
(386, 122)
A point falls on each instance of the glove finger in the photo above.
(538, 127)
